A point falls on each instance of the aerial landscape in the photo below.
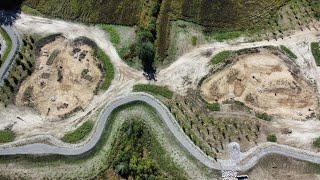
(160, 89)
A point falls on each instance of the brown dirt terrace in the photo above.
(266, 83)
(64, 80)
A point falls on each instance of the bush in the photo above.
(112, 32)
(315, 49)
(288, 52)
(153, 89)
(263, 116)
(316, 142)
(194, 40)
(78, 134)
(221, 56)
(108, 68)
(213, 107)
(6, 136)
(272, 138)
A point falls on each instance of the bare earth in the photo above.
(60, 88)
(265, 83)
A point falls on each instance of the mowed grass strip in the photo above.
(315, 49)
(79, 134)
(221, 56)
(108, 68)
(228, 35)
(8, 42)
(6, 136)
(288, 52)
(112, 32)
(153, 89)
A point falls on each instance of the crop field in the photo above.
(213, 129)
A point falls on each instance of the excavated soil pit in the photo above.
(265, 82)
(64, 81)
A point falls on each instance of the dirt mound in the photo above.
(64, 81)
(265, 83)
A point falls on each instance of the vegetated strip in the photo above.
(78, 134)
(153, 89)
(6, 136)
(108, 68)
(315, 49)
(8, 41)
(221, 56)
(226, 35)
(288, 52)
(112, 32)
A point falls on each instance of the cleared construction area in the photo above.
(65, 79)
(265, 81)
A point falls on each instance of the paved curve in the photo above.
(15, 44)
(243, 161)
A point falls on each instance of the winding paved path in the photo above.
(15, 44)
(239, 162)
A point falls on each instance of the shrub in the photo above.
(263, 116)
(213, 107)
(108, 68)
(112, 32)
(288, 52)
(153, 89)
(315, 49)
(194, 40)
(221, 56)
(316, 142)
(6, 136)
(78, 134)
(52, 57)
(272, 138)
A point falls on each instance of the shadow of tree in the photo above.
(9, 11)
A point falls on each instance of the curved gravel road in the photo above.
(15, 44)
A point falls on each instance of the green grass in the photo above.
(213, 107)
(288, 52)
(194, 40)
(272, 138)
(222, 36)
(8, 43)
(153, 89)
(79, 134)
(263, 116)
(315, 49)
(6, 136)
(108, 68)
(28, 10)
(316, 142)
(112, 32)
(221, 56)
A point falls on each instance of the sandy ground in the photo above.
(60, 88)
(263, 82)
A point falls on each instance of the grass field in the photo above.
(153, 89)
(221, 56)
(6, 136)
(108, 68)
(79, 134)
(288, 52)
(8, 45)
(315, 49)
(112, 32)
